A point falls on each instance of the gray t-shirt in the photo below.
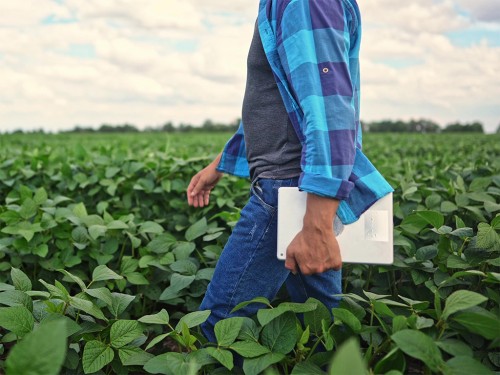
(273, 149)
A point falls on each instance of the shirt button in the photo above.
(325, 70)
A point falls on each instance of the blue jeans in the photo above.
(248, 266)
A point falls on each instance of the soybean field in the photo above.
(103, 264)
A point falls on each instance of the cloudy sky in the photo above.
(68, 62)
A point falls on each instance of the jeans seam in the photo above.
(302, 284)
(227, 312)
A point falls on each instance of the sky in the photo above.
(86, 62)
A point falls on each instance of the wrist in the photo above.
(320, 212)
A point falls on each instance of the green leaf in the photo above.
(179, 282)
(348, 359)
(426, 253)
(28, 209)
(254, 366)
(172, 364)
(20, 280)
(413, 223)
(418, 345)
(193, 319)
(313, 318)
(102, 273)
(96, 355)
(158, 339)
(479, 321)
(461, 300)
(448, 207)
(71, 326)
(111, 172)
(30, 357)
(264, 316)
(76, 279)
(249, 331)
(248, 349)
(487, 237)
(120, 303)
(160, 318)
(434, 218)
(476, 211)
(16, 298)
(17, 319)
(491, 207)
(40, 196)
(227, 330)
(162, 243)
(80, 211)
(101, 293)
(97, 231)
(87, 306)
(463, 365)
(54, 291)
(41, 250)
(124, 332)
(481, 197)
(280, 335)
(495, 223)
(225, 357)
(348, 318)
(307, 368)
(262, 300)
(117, 224)
(133, 356)
(136, 278)
(183, 250)
(455, 347)
(151, 227)
(395, 359)
(184, 266)
(196, 230)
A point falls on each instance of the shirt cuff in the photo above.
(325, 186)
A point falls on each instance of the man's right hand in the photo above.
(202, 183)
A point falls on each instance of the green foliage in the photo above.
(105, 264)
(41, 352)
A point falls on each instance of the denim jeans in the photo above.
(248, 266)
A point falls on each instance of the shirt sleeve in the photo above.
(233, 159)
(318, 45)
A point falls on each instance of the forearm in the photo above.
(320, 212)
(216, 161)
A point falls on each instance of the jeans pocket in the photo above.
(258, 192)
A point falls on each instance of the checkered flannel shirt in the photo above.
(313, 49)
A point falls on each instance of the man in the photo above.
(300, 127)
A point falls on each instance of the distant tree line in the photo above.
(421, 126)
(168, 127)
(397, 126)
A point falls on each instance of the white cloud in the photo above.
(481, 10)
(160, 60)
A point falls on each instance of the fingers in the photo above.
(291, 263)
(196, 195)
(192, 185)
(196, 185)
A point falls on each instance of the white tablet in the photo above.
(369, 240)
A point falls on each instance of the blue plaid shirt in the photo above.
(313, 49)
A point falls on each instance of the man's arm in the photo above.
(314, 43)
